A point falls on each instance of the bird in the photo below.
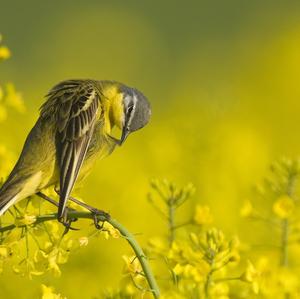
(73, 130)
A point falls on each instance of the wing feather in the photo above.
(79, 103)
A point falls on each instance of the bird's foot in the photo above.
(97, 215)
(66, 221)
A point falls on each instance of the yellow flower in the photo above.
(284, 206)
(203, 215)
(109, 231)
(40, 256)
(196, 273)
(247, 209)
(178, 269)
(55, 257)
(251, 275)
(48, 293)
(26, 268)
(132, 264)
(26, 219)
(53, 266)
(4, 53)
(175, 251)
(83, 241)
(214, 241)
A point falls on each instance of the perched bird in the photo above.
(72, 131)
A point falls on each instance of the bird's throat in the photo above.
(113, 108)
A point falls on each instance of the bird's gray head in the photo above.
(137, 111)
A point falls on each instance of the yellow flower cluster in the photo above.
(35, 248)
(200, 260)
(188, 263)
(275, 274)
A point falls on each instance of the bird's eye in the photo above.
(129, 109)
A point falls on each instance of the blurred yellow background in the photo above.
(223, 80)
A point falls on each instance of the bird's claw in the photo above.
(67, 225)
(98, 213)
(66, 222)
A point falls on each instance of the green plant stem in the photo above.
(284, 248)
(124, 232)
(285, 224)
(171, 222)
(207, 284)
(140, 255)
(285, 228)
(284, 243)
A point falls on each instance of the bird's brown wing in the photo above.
(76, 117)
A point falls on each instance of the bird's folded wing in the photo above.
(79, 105)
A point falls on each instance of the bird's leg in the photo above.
(49, 199)
(64, 219)
(96, 213)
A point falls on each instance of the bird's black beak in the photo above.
(125, 133)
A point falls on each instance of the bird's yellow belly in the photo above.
(31, 186)
(99, 148)
(51, 176)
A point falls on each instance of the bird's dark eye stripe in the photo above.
(129, 109)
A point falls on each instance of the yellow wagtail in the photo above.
(72, 131)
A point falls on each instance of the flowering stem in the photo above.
(124, 232)
(285, 223)
(284, 242)
(207, 283)
(171, 220)
(140, 255)
(285, 228)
